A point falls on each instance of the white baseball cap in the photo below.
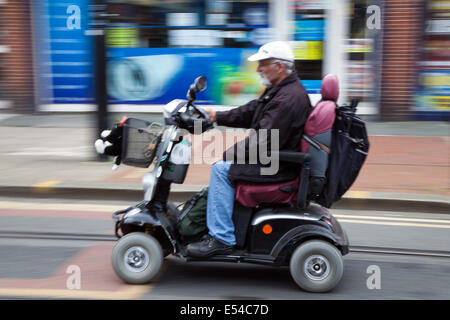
(276, 50)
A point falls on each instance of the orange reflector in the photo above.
(267, 229)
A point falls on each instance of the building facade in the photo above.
(392, 55)
(17, 91)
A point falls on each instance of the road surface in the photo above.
(62, 248)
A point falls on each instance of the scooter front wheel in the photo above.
(137, 258)
(316, 266)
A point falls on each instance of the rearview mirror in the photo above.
(200, 83)
(198, 86)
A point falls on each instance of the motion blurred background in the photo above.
(393, 55)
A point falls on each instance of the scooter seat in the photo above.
(316, 141)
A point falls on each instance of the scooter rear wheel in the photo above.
(316, 266)
(137, 258)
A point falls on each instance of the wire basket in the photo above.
(140, 142)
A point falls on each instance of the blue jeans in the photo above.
(219, 210)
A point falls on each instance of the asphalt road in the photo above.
(61, 249)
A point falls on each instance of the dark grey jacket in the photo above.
(285, 107)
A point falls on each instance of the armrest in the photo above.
(303, 187)
(294, 157)
(303, 159)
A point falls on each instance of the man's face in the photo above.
(270, 71)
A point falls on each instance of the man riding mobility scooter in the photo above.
(275, 224)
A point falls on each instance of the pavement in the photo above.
(53, 155)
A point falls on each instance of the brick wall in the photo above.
(402, 33)
(16, 65)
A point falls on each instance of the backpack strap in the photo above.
(316, 144)
(191, 202)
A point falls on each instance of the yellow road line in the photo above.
(113, 208)
(59, 206)
(45, 185)
(403, 224)
(357, 194)
(129, 292)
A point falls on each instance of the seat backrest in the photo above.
(317, 132)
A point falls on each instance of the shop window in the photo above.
(188, 23)
(308, 39)
(360, 50)
(433, 91)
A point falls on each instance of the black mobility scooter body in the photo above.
(305, 236)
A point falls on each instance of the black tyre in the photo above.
(137, 258)
(316, 266)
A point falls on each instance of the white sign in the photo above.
(438, 26)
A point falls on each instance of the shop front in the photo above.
(156, 48)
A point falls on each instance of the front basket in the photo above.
(140, 142)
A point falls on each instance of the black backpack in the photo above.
(349, 149)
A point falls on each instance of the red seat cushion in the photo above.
(252, 194)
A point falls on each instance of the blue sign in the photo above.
(65, 52)
(309, 30)
(158, 75)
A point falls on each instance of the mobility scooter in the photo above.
(275, 224)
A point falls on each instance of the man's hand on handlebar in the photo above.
(212, 114)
